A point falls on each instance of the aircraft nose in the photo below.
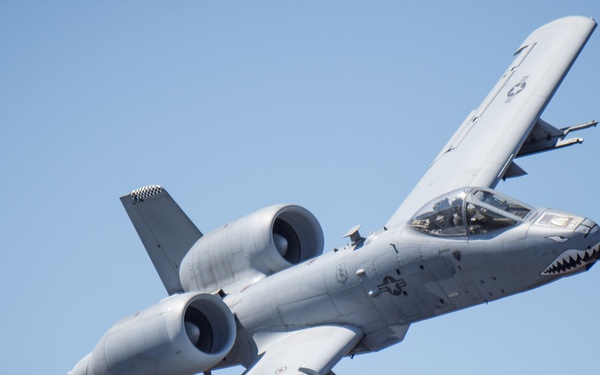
(582, 256)
(588, 227)
(591, 232)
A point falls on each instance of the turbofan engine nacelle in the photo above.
(257, 245)
(182, 335)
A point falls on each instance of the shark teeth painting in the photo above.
(572, 260)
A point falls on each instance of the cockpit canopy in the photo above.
(469, 211)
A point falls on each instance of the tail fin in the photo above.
(165, 230)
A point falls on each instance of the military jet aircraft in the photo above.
(453, 243)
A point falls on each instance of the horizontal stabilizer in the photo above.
(545, 137)
(165, 230)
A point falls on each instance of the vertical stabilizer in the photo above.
(165, 230)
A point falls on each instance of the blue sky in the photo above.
(338, 106)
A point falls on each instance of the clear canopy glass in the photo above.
(468, 211)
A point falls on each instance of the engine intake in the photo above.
(257, 245)
(182, 335)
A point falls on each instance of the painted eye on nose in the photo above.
(559, 239)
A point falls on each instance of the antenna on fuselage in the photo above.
(355, 237)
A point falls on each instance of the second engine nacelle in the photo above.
(257, 245)
(182, 335)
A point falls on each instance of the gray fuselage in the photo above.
(396, 277)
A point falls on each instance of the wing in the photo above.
(312, 351)
(481, 152)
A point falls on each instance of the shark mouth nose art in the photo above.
(572, 260)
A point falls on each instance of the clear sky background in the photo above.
(338, 106)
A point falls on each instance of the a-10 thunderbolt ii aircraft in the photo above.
(452, 244)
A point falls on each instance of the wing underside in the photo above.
(312, 351)
(507, 124)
